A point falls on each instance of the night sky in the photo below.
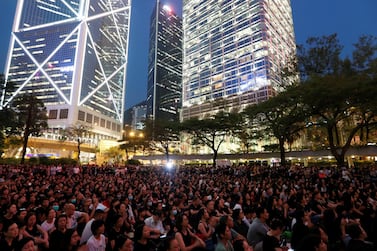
(348, 18)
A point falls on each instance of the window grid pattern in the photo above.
(233, 52)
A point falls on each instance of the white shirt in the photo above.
(96, 245)
(87, 232)
(47, 226)
(155, 225)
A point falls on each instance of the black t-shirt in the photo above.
(270, 243)
(144, 247)
(5, 247)
(114, 235)
(359, 245)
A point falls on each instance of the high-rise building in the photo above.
(234, 51)
(164, 64)
(136, 115)
(73, 56)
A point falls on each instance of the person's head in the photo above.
(311, 242)
(157, 215)
(142, 232)
(227, 220)
(72, 238)
(170, 244)
(61, 222)
(97, 227)
(69, 209)
(10, 229)
(354, 231)
(30, 219)
(210, 205)
(141, 212)
(25, 244)
(262, 213)
(12, 209)
(203, 214)
(21, 214)
(277, 225)
(124, 244)
(223, 232)
(51, 214)
(182, 221)
(99, 214)
(237, 214)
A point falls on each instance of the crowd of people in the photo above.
(241, 207)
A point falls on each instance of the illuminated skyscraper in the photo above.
(72, 55)
(164, 64)
(234, 51)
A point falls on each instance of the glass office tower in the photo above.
(73, 56)
(164, 88)
(234, 51)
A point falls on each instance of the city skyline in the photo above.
(311, 18)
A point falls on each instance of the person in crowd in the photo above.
(118, 230)
(25, 244)
(124, 244)
(170, 244)
(206, 229)
(9, 238)
(34, 230)
(301, 227)
(72, 241)
(21, 214)
(57, 238)
(239, 224)
(144, 236)
(187, 240)
(48, 224)
(97, 242)
(141, 216)
(155, 222)
(271, 241)
(358, 237)
(87, 232)
(11, 213)
(258, 228)
(311, 242)
(224, 238)
(74, 217)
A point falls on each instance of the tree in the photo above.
(248, 138)
(132, 139)
(31, 118)
(339, 95)
(114, 153)
(161, 133)
(280, 116)
(76, 133)
(212, 131)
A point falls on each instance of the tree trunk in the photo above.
(214, 158)
(282, 152)
(167, 153)
(78, 150)
(24, 147)
(127, 154)
(337, 135)
(339, 156)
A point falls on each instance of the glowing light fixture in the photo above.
(167, 8)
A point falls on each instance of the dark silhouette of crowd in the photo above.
(228, 208)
